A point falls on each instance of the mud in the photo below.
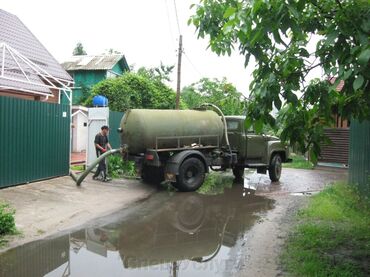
(237, 233)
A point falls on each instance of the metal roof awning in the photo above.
(18, 73)
(97, 62)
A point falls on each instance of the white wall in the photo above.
(97, 118)
(79, 132)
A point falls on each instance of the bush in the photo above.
(117, 167)
(7, 222)
(134, 90)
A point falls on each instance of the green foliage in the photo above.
(277, 34)
(161, 73)
(299, 161)
(85, 94)
(79, 50)
(135, 90)
(332, 237)
(7, 222)
(219, 92)
(112, 51)
(120, 168)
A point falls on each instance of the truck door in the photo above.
(236, 136)
(256, 147)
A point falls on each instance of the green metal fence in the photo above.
(114, 123)
(359, 158)
(34, 141)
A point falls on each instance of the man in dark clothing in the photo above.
(102, 145)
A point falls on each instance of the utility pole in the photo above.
(179, 74)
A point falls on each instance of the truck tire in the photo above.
(189, 213)
(191, 175)
(275, 168)
(238, 172)
(152, 175)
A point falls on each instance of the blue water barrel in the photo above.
(100, 101)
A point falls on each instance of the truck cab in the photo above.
(254, 150)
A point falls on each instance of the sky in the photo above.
(145, 31)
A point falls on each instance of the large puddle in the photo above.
(169, 234)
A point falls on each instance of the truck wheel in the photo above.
(238, 172)
(191, 175)
(275, 168)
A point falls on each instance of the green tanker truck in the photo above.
(180, 146)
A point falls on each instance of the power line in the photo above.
(192, 64)
(177, 17)
(169, 24)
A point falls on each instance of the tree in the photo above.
(79, 50)
(218, 92)
(277, 34)
(161, 73)
(134, 90)
(112, 51)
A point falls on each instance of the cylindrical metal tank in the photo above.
(150, 129)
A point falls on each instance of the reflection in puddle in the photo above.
(305, 193)
(171, 234)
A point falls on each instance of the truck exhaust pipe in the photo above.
(79, 178)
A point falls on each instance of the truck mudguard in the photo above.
(276, 147)
(173, 164)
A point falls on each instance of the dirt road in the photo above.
(236, 232)
(260, 255)
(47, 207)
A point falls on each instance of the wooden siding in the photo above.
(338, 150)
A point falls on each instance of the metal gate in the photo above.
(34, 140)
(359, 160)
(338, 150)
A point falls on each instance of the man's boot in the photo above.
(96, 175)
(106, 178)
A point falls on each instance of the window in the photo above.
(111, 74)
(232, 125)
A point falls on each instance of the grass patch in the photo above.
(332, 237)
(215, 183)
(77, 167)
(299, 161)
(7, 222)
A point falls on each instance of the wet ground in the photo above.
(237, 232)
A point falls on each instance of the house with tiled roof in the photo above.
(37, 128)
(27, 69)
(87, 70)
